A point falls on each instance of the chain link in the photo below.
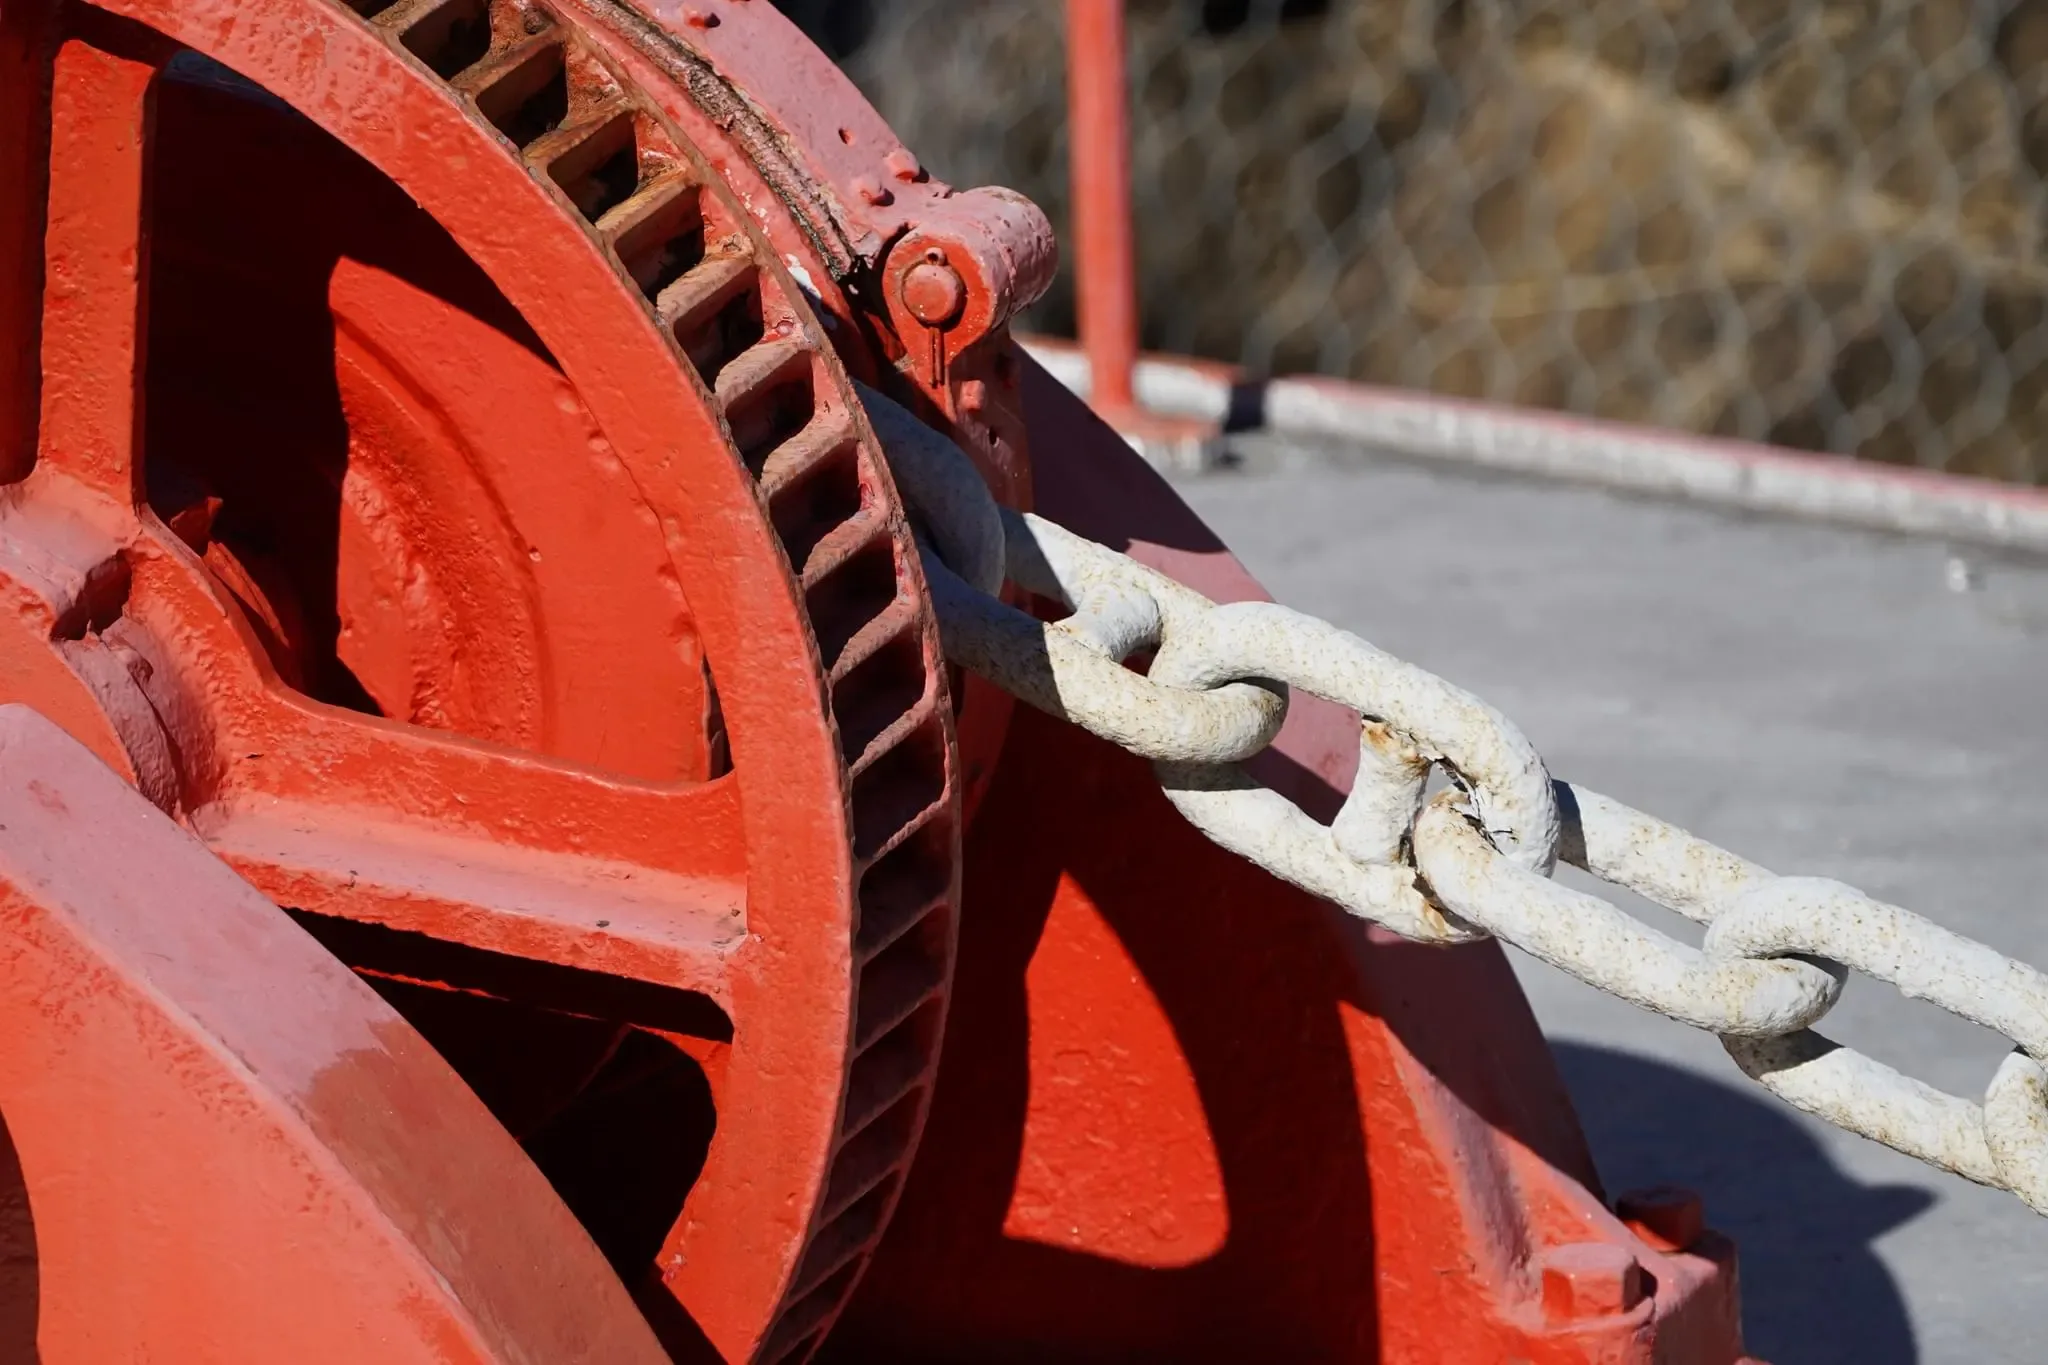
(1812, 930)
(1474, 860)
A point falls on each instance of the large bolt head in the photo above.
(1585, 1280)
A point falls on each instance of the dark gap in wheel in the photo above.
(891, 1069)
(824, 496)
(190, 68)
(878, 692)
(616, 1115)
(912, 968)
(619, 1120)
(733, 329)
(387, 952)
(897, 786)
(802, 1350)
(612, 183)
(717, 743)
(850, 596)
(802, 1326)
(20, 1259)
(679, 255)
(602, 170)
(666, 243)
(679, 1333)
(252, 456)
(766, 418)
(865, 1161)
(624, 1154)
(903, 885)
(531, 99)
(525, 1063)
(245, 438)
(838, 1246)
(452, 37)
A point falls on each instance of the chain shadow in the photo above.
(1806, 1227)
(1293, 1277)
(1813, 1290)
(253, 211)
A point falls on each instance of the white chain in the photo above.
(1475, 860)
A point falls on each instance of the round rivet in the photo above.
(933, 292)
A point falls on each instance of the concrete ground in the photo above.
(1822, 701)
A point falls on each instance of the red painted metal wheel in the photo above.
(443, 501)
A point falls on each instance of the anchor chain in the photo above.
(1474, 860)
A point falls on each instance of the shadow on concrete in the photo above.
(1813, 1289)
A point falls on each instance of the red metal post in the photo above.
(1099, 153)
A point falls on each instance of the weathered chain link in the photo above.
(1073, 669)
(1811, 930)
(1475, 860)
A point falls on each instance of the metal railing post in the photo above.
(1099, 157)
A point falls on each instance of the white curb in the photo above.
(1726, 473)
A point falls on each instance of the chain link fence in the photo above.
(1817, 223)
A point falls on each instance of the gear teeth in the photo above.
(893, 987)
(657, 233)
(523, 90)
(448, 35)
(883, 1074)
(898, 892)
(709, 284)
(798, 462)
(767, 395)
(760, 370)
(869, 1160)
(714, 311)
(592, 159)
(700, 293)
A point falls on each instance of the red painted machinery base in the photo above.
(494, 865)
(1184, 1112)
(1187, 1112)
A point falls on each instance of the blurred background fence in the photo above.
(1818, 223)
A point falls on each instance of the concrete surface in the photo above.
(1821, 700)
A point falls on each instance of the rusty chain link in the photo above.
(1474, 860)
